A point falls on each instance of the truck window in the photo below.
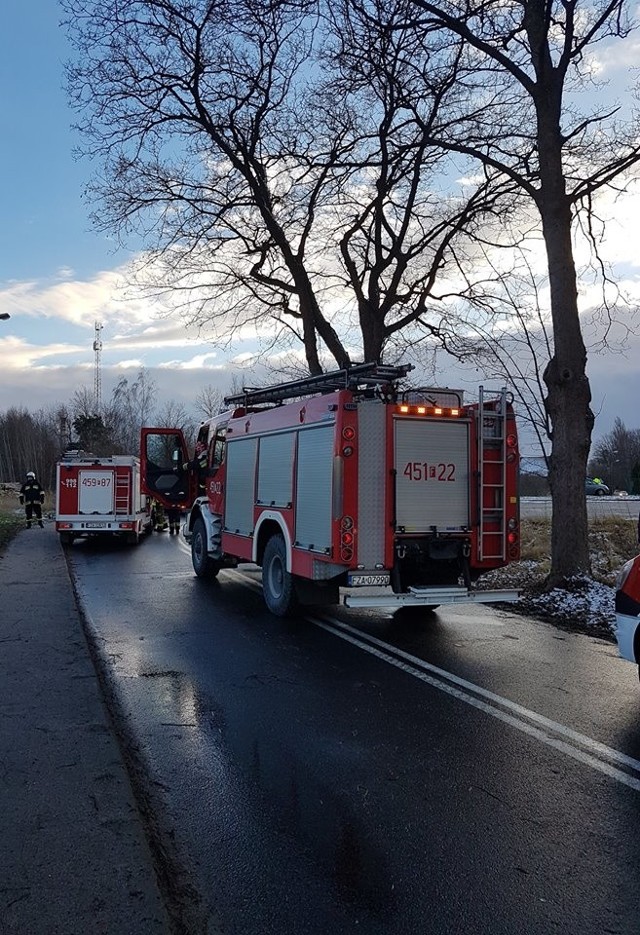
(160, 449)
(217, 449)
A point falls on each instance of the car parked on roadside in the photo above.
(595, 488)
(628, 611)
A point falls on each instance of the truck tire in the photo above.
(66, 538)
(203, 565)
(277, 582)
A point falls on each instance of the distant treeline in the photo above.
(35, 441)
(28, 442)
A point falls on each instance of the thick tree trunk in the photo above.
(373, 333)
(572, 422)
(314, 322)
(567, 401)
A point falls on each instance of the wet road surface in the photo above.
(352, 771)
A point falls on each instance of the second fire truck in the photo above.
(100, 496)
(346, 485)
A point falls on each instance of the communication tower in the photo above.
(97, 381)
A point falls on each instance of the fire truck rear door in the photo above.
(163, 451)
(432, 475)
(96, 491)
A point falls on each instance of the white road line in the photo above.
(466, 691)
(593, 746)
(465, 696)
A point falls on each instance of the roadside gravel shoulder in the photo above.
(74, 857)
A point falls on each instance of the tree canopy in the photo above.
(329, 173)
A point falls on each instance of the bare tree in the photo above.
(207, 78)
(514, 111)
(507, 335)
(133, 405)
(294, 199)
(616, 458)
(174, 415)
(28, 442)
(209, 401)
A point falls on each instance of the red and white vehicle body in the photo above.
(100, 496)
(399, 497)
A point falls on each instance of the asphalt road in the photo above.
(355, 772)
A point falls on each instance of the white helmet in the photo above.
(31, 474)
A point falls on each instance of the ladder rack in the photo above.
(123, 494)
(359, 376)
(492, 476)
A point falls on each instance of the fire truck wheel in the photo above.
(277, 582)
(66, 538)
(203, 565)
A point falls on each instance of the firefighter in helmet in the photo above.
(32, 497)
(199, 465)
(174, 514)
(160, 523)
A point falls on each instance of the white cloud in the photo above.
(618, 56)
(193, 363)
(129, 364)
(16, 354)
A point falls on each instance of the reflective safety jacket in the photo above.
(31, 492)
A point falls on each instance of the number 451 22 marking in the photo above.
(423, 470)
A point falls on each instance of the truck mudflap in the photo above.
(428, 597)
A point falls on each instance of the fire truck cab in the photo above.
(349, 481)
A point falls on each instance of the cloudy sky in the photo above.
(57, 276)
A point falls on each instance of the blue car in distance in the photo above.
(596, 488)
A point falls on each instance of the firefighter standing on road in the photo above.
(159, 518)
(199, 465)
(32, 497)
(174, 514)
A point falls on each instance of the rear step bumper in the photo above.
(417, 597)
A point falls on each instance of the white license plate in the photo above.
(357, 581)
(95, 525)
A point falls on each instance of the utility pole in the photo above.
(97, 382)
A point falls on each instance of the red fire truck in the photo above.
(100, 496)
(398, 496)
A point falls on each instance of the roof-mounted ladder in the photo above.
(359, 376)
(123, 494)
(492, 476)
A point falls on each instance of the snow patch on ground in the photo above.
(586, 604)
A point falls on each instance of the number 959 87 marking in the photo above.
(427, 471)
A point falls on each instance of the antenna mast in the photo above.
(97, 381)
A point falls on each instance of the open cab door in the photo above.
(163, 452)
